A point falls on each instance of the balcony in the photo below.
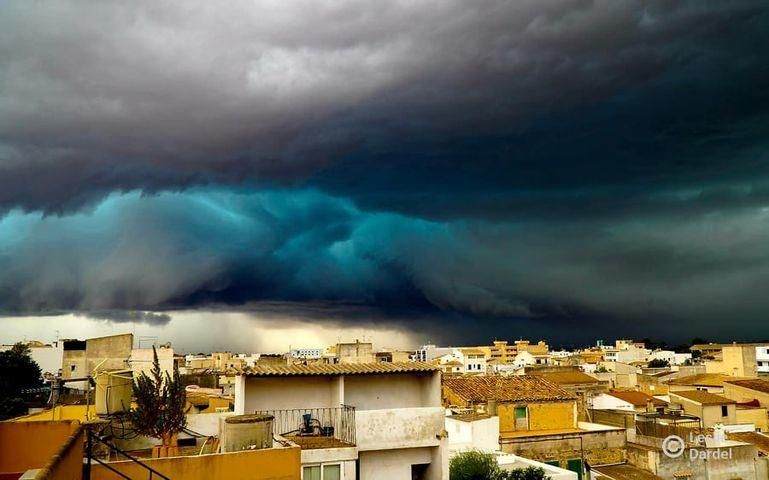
(315, 428)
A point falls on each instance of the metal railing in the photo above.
(94, 437)
(336, 422)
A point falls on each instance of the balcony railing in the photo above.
(315, 427)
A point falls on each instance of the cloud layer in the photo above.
(534, 161)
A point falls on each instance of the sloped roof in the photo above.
(752, 383)
(701, 379)
(514, 388)
(337, 369)
(637, 399)
(570, 377)
(760, 440)
(703, 397)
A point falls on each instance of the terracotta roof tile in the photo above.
(703, 397)
(569, 377)
(637, 399)
(514, 388)
(337, 369)
(701, 380)
(760, 440)
(753, 384)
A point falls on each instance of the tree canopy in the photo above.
(18, 372)
(477, 465)
(160, 401)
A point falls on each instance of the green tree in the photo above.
(659, 363)
(17, 372)
(160, 401)
(477, 465)
(528, 473)
(474, 465)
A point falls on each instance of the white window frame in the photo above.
(321, 465)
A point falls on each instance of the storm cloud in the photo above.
(494, 161)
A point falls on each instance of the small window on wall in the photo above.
(724, 411)
(521, 418)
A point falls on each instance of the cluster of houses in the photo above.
(350, 412)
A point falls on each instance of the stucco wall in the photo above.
(742, 394)
(599, 447)
(541, 416)
(396, 464)
(268, 464)
(398, 428)
(480, 434)
(28, 445)
(267, 393)
(756, 416)
(371, 392)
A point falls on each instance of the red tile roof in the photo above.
(337, 369)
(513, 388)
(637, 399)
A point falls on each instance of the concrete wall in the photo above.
(371, 392)
(358, 352)
(481, 434)
(599, 447)
(742, 394)
(736, 360)
(709, 414)
(742, 464)
(398, 428)
(396, 464)
(267, 464)
(541, 416)
(756, 416)
(141, 361)
(283, 393)
(28, 445)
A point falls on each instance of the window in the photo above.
(521, 418)
(311, 473)
(724, 411)
(322, 472)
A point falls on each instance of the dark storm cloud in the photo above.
(486, 163)
(482, 109)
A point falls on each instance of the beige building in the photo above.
(371, 421)
(355, 352)
(82, 358)
(745, 390)
(712, 409)
(736, 361)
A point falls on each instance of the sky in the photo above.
(431, 170)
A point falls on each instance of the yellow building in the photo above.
(525, 404)
(736, 360)
(55, 449)
(502, 353)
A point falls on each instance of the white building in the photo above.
(386, 418)
(307, 353)
(475, 431)
(762, 358)
(427, 353)
(472, 360)
(671, 357)
(526, 358)
(48, 357)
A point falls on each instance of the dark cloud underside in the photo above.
(493, 161)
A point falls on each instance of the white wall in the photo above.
(396, 464)
(607, 402)
(399, 428)
(283, 393)
(371, 392)
(482, 434)
(141, 361)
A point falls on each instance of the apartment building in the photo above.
(365, 420)
(712, 409)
